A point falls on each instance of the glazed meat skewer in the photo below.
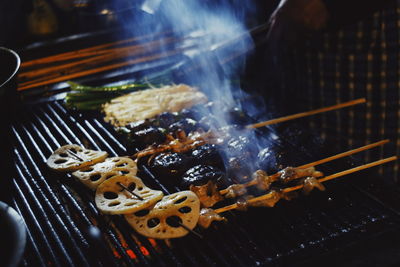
(273, 194)
(290, 173)
(184, 143)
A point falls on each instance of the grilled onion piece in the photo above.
(93, 176)
(112, 198)
(165, 219)
(73, 157)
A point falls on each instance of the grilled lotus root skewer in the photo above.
(125, 193)
(92, 176)
(164, 220)
(112, 198)
(73, 157)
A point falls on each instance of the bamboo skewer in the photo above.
(321, 161)
(101, 56)
(86, 51)
(307, 113)
(91, 57)
(326, 178)
(344, 154)
(100, 69)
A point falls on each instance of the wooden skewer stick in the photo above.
(344, 154)
(307, 113)
(87, 51)
(345, 172)
(321, 161)
(129, 191)
(105, 56)
(326, 178)
(100, 69)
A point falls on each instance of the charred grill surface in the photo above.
(65, 228)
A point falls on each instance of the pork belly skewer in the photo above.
(184, 143)
(295, 172)
(259, 201)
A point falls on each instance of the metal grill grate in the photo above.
(60, 214)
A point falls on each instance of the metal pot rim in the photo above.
(18, 63)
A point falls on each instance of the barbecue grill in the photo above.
(64, 227)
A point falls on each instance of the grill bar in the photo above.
(59, 211)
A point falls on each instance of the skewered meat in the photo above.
(73, 157)
(242, 203)
(263, 180)
(245, 202)
(310, 183)
(290, 173)
(201, 174)
(207, 216)
(208, 194)
(270, 202)
(169, 166)
(182, 143)
(235, 190)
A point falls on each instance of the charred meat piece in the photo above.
(290, 173)
(207, 216)
(208, 194)
(263, 180)
(187, 125)
(274, 197)
(201, 174)
(147, 136)
(310, 183)
(235, 190)
(180, 144)
(207, 154)
(169, 167)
